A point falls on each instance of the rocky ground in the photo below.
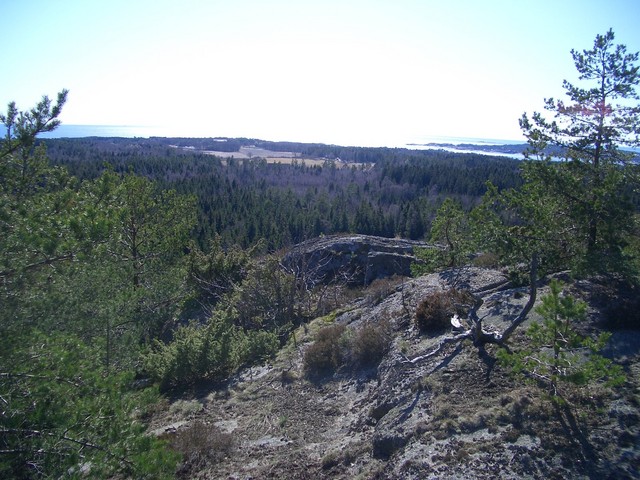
(456, 415)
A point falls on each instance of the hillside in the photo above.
(458, 414)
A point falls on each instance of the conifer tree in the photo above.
(576, 161)
(61, 416)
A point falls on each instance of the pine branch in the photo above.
(64, 437)
(37, 377)
(36, 265)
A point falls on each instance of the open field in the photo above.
(276, 157)
(251, 152)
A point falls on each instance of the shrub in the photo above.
(428, 261)
(63, 417)
(200, 443)
(486, 260)
(260, 345)
(381, 288)
(330, 460)
(338, 347)
(268, 299)
(326, 354)
(370, 343)
(435, 311)
(211, 352)
(556, 354)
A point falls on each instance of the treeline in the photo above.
(243, 200)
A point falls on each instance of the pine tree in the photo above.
(576, 160)
(61, 416)
(556, 355)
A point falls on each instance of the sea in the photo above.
(449, 143)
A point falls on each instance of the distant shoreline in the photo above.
(482, 146)
(511, 150)
(410, 142)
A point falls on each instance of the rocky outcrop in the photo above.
(458, 414)
(351, 259)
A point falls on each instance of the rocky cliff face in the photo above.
(356, 260)
(457, 415)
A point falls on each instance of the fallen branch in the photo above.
(477, 334)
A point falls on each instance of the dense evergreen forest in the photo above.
(378, 191)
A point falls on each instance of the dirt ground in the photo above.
(458, 415)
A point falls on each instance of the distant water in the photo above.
(462, 140)
(484, 145)
(425, 142)
(127, 131)
(124, 131)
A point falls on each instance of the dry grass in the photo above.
(201, 444)
(370, 343)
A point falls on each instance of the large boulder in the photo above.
(352, 259)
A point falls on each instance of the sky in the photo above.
(348, 72)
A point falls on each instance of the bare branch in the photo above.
(476, 333)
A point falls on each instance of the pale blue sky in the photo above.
(335, 71)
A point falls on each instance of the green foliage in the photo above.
(524, 222)
(580, 198)
(218, 271)
(269, 299)
(243, 201)
(23, 127)
(146, 251)
(88, 271)
(556, 354)
(450, 233)
(153, 226)
(207, 352)
(451, 229)
(250, 320)
(458, 235)
(61, 413)
(428, 261)
(48, 224)
(101, 258)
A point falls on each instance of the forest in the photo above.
(376, 191)
(132, 269)
(110, 246)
